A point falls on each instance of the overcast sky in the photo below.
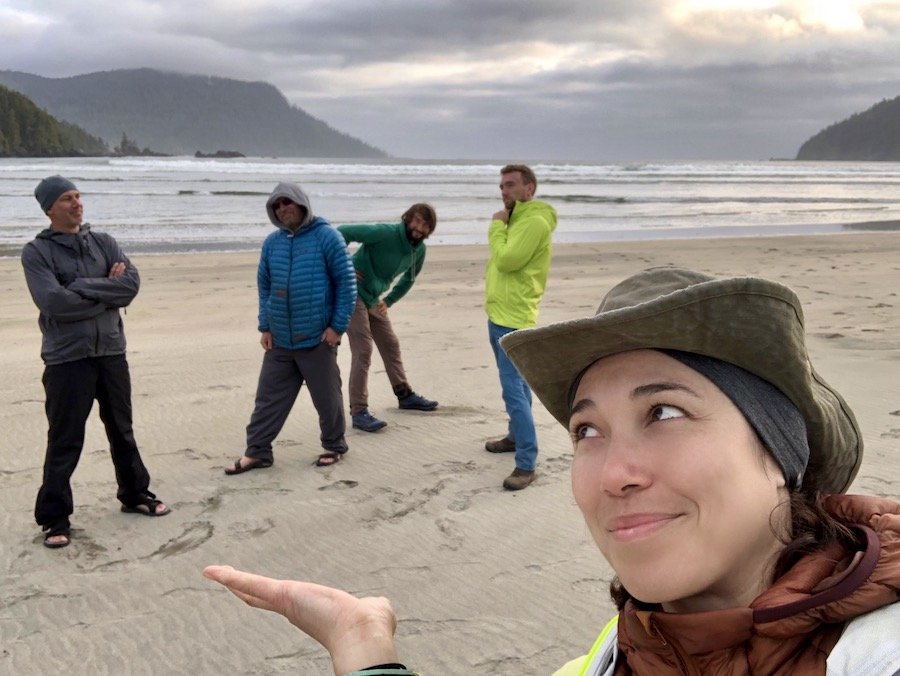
(598, 80)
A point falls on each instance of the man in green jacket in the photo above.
(388, 251)
(520, 241)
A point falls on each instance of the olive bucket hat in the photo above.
(747, 321)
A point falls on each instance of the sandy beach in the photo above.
(483, 581)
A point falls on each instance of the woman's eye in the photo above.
(665, 412)
(583, 432)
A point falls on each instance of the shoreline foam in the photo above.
(568, 238)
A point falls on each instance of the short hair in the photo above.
(426, 211)
(527, 174)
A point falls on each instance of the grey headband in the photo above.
(773, 416)
(49, 190)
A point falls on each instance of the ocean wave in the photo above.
(177, 203)
(548, 172)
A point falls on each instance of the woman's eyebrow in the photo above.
(582, 404)
(656, 388)
(640, 391)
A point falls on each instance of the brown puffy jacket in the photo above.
(792, 626)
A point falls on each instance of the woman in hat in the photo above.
(710, 462)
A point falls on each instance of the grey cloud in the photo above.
(359, 32)
(639, 87)
(636, 110)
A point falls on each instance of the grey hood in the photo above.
(293, 192)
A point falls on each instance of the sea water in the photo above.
(182, 204)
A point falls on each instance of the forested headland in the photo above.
(28, 131)
(181, 114)
(872, 135)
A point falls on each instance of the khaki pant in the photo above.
(368, 326)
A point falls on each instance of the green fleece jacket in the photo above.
(516, 273)
(385, 254)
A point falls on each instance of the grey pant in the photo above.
(280, 379)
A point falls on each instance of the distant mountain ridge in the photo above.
(181, 114)
(872, 135)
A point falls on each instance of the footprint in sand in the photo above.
(449, 530)
(463, 501)
(189, 454)
(558, 464)
(247, 529)
(591, 585)
(339, 485)
(193, 536)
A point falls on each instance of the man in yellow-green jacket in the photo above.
(514, 282)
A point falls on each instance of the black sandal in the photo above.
(328, 459)
(54, 532)
(256, 464)
(146, 505)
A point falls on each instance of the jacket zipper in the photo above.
(412, 256)
(82, 268)
(287, 290)
(681, 662)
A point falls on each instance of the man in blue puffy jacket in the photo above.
(307, 292)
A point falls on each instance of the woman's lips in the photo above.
(636, 526)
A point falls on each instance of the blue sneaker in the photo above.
(367, 422)
(416, 402)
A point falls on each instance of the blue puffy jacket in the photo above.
(305, 280)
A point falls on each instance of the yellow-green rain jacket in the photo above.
(516, 273)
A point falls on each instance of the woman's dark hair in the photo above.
(812, 529)
(426, 211)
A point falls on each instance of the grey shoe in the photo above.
(504, 445)
(519, 479)
(367, 422)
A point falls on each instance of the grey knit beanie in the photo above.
(49, 190)
(773, 416)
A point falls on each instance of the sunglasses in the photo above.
(277, 204)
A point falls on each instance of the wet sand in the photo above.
(483, 581)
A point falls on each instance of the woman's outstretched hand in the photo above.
(356, 632)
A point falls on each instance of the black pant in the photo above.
(70, 391)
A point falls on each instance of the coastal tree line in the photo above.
(28, 131)
(872, 135)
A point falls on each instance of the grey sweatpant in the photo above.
(280, 379)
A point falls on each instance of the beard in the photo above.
(412, 239)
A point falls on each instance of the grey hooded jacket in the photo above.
(67, 275)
